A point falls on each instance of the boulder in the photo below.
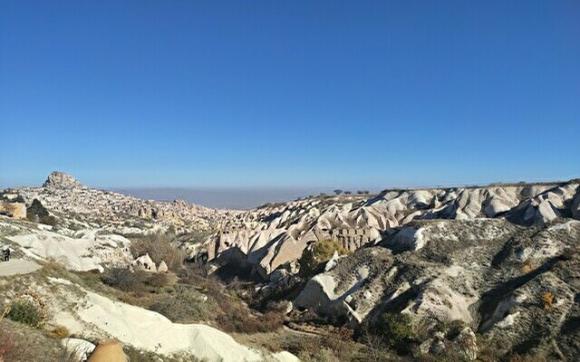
(162, 267)
(467, 344)
(352, 288)
(108, 351)
(79, 348)
(409, 238)
(145, 263)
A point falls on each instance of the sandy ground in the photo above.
(17, 266)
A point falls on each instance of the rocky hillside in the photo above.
(273, 236)
(474, 269)
(63, 195)
(479, 273)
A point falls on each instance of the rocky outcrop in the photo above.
(145, 263)
(162, 268)
(497, 278)
(61, 180)
(84, 250)
(108, 351)
(78, 348)
(273, 236)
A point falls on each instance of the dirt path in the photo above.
(17, 266)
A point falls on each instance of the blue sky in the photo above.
(289, 93)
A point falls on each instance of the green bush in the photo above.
(26, 312)
(320, 252)
(396, 330)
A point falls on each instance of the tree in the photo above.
(338, 191)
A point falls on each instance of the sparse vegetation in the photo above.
(232, 314)
(395, 329)
(317, 254)
(527, 266)
(21, 343)
(161, 280)
(26, 312)
(59, 332)
(185, 305)
(548, 299)
(159, 248)
(125, 279)
(6, 345)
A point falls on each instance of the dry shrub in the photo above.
(159, 248)
(339, 343)
(27, 311)
(125, 279)
(527, 266)
(301, 345)
(161, 280)
(320, 252)
(526, 358)
(548, 300)
(236, 317)
(186, 305)
(319, 355)
(232, 314)
(330, 347)
(6, 345)
(59, 332)
(19, 342)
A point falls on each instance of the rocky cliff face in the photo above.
(274, 236)
(500, 261)
(61, 180)
(514, 285)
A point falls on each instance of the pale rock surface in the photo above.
(275, 235)
(61, 180)
(145, 263)
(80, 348)
(162, 268)
(17, 266)
(153, 332)
(88, 252)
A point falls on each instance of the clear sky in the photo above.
(289, 93)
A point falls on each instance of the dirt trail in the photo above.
(17, 266)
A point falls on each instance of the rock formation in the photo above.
(61, 180)
(273, 236)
